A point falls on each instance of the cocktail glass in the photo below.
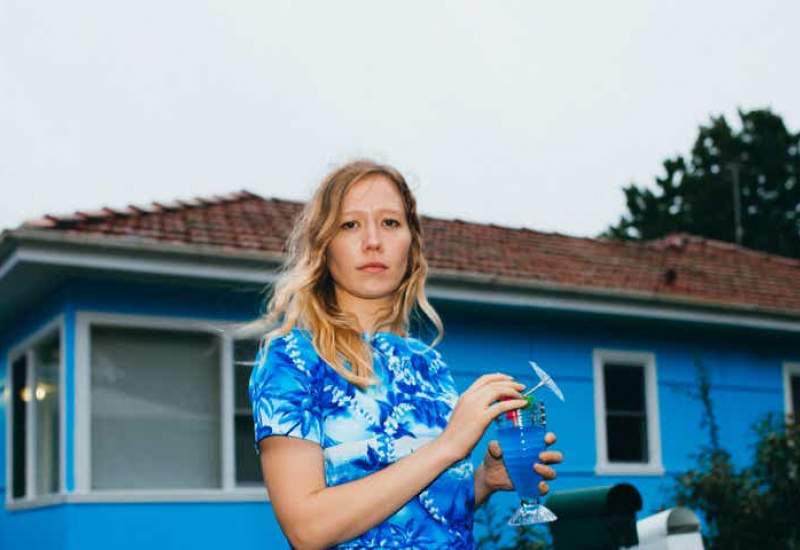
(520, 433)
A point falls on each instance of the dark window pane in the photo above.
(248, 465)
(627, 438)
(19, 398)
(795, 390)
(244, 353)
(624, 387)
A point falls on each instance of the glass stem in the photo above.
(531, 501)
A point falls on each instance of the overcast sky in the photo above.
(519, 113)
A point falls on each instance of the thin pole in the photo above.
(737, 207)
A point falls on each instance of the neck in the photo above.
(366, 311)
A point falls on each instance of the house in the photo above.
(125, 413)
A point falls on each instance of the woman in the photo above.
(363, 438)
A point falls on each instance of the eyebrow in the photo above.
(382, 210)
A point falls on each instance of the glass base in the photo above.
(530, 513)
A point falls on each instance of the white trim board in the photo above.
(647, 360)
(658, 311)
(93, 260)
(789, 370)
(116, 497)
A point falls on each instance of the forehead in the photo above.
(372, 192)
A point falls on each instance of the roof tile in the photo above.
(679, 264)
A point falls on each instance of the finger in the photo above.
(551, 457)
(545, 471)
(495, 390)
(494, 450)
(486, 379)
(500, 407)
(544, 488)
(550, 438)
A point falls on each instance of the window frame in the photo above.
(789, 369)
(226, 332)
(26, 347)
(647, 361)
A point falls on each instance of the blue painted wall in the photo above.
(745, 369)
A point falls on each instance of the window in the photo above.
(35, 415)
(626, 417)
(791, 391)
(626, 413)
(19, 438)
(248, 468)
(155, 409)
(162, 408)
(47, 360)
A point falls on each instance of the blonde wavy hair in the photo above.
(303, 294)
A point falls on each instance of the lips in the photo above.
(373, 266)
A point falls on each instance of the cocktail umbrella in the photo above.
(544, 380)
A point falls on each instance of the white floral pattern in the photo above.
(295, 393)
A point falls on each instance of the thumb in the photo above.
(494, 450)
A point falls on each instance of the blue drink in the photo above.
(521, 436)
(521, 447)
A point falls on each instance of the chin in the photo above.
(375, 292)
(375, 295)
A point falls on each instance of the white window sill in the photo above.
(142, 496)
(629, 469)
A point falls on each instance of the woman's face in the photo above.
(372, 229)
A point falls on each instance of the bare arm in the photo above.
(315, 516)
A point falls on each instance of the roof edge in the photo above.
(123, 243)
(10, 240)
(651, 298)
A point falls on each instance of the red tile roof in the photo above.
(680, 265)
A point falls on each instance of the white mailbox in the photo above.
(673, 529)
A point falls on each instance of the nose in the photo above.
(372, 237)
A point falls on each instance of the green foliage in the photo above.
(496, 527)
(753, 507)
(695, 194)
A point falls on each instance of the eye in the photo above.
(392, 222)
(348, 225)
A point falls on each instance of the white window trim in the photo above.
(83, 492)
(603, 467)
(25, 347)
(789, 370)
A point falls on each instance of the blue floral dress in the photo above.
(296, 393)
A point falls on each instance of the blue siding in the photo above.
(745, 370)
(172, 525)
(35, 529)
(141, 526)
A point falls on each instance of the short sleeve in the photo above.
(283, 392)
(449, 388)
(429, 360)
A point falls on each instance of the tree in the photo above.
(696, 194)
(751, 507)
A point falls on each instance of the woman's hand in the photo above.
(476, 408)
(492, 475)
